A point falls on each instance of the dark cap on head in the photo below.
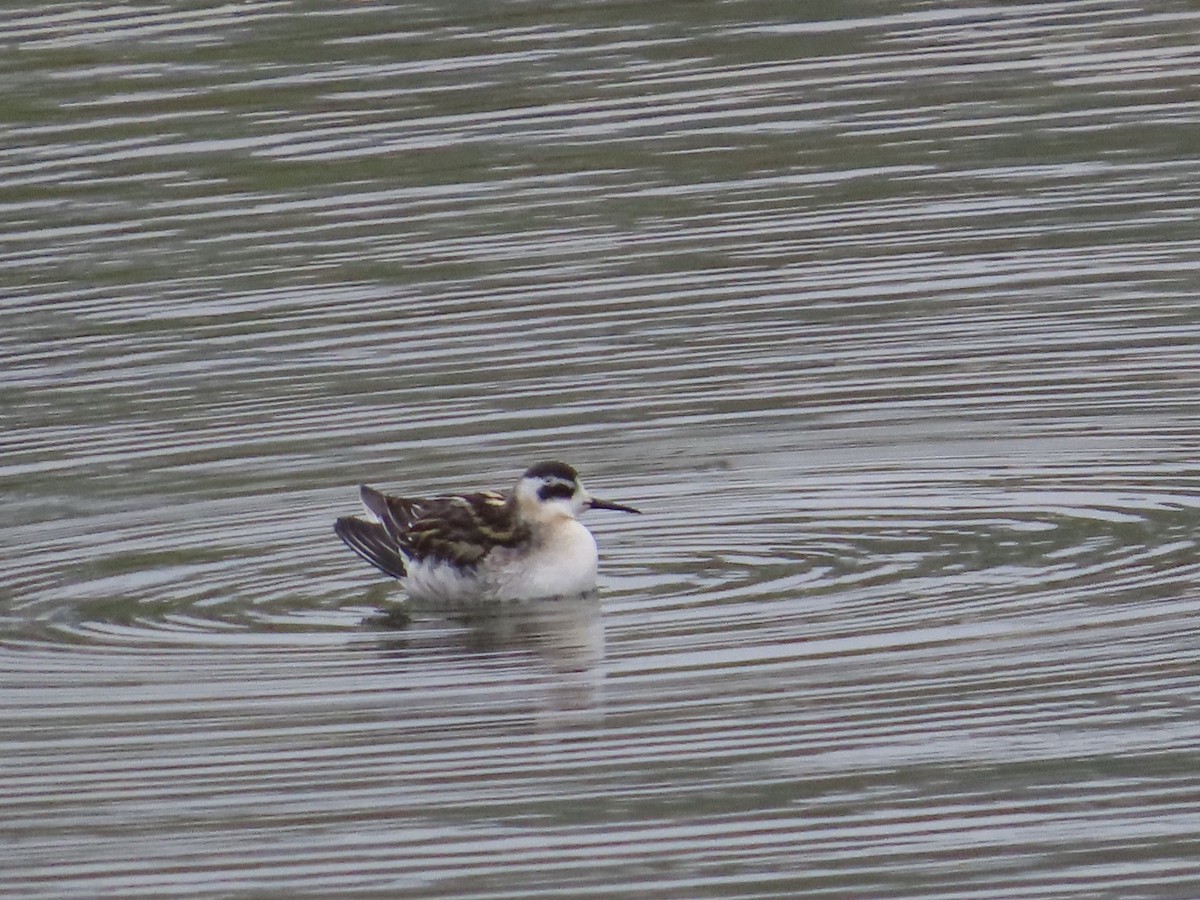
(552, 469)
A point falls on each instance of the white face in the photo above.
(548, 497)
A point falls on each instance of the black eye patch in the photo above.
(552, 489)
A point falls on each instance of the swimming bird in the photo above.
(521, 544)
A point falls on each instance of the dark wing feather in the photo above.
(371, 541)
(462, 529)
(395, 513)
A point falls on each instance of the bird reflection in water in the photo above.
(562, 636)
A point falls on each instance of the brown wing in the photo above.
(461, 529)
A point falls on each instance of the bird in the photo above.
(522, 544)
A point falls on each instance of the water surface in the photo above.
(887, 322)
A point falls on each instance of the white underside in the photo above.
(560, 561)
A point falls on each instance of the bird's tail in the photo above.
(371, 541)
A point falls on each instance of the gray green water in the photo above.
(886, 315)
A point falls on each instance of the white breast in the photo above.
(561, 562)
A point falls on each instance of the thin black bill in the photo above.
(607, 504)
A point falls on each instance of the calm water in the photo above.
(888, 322)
